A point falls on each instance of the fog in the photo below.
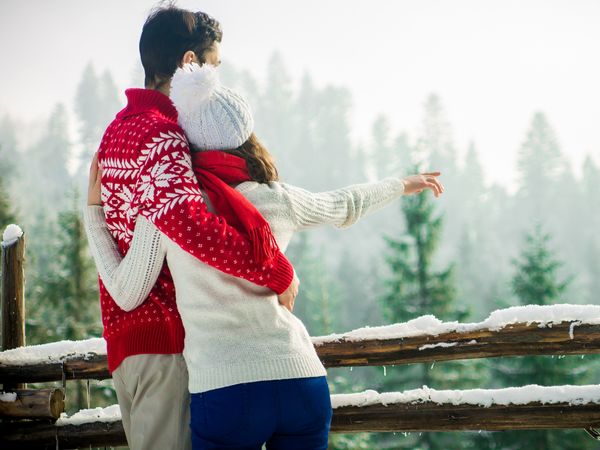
(493, 63)
(502, 97)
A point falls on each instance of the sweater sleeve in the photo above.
(168, 196)
(342, 207)
(128, 279)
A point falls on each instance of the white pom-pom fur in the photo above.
(192, 86)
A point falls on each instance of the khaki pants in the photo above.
(155, 403)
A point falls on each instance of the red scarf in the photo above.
(216, 171)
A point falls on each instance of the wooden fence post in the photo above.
(13, 292)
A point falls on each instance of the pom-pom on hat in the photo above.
(213, 117)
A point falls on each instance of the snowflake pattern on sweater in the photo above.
(147, 169)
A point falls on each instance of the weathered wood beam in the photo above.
(49, 436)
(13, 297)
(419, 417)
(93, 367)
(431, 416)
(514, 340)
(34, 404)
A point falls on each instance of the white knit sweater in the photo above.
(235, 331)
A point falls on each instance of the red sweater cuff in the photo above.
(282, 274)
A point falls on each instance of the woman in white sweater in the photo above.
(254, 375)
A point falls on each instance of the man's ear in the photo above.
(188, 57)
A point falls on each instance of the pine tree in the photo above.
(6, 212)
(475, 246)
(536, 282)
(47, 161)
(10, 160)
(96, 104)
(435, 140)
(382, 148)
(297, 164)
(88, 107)
(317, 303)
(590, 239)
(435, 150)
(110, 102)
(540, 164)
(332, 137)
(64, 296)
(416, 288)
(9, 155)
(274, 110)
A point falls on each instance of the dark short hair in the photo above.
(168, 33)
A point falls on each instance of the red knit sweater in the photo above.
(146, 169)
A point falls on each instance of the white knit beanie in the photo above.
(213, 117)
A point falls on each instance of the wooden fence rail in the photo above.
(419, 417)
(520, 339)
(49, 436)
(466, 342)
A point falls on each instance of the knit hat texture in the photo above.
(213, 116)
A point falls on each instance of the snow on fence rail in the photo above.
(528, 407)
(518, 331)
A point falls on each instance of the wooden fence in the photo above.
(518, 339)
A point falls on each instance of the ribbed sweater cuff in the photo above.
(282, 275)
(94, 215)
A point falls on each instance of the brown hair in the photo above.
(261, 164)
(168, 33)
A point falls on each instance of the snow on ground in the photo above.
(53, 352)
(546, 316)
(111, 413)
(574, 395)
(11, 234)
(8, 397)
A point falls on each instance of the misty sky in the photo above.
(494, 63)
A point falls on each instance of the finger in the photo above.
(434, 189)
(438, 190)
(438, 184)
(432, 174)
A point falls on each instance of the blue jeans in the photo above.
(286, 414)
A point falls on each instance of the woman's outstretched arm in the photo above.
(344, 207)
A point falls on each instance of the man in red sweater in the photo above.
(146, 169)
